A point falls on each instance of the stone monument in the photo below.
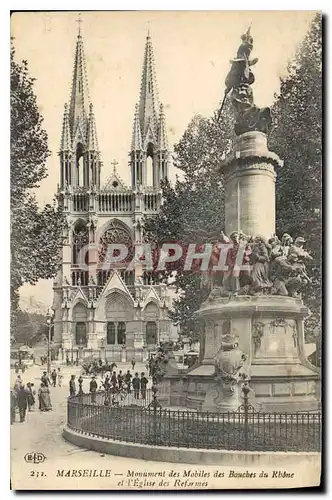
(259, 302)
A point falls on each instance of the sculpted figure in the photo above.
(238, 84)
(298, 250)
(286, 242)
(259, 279)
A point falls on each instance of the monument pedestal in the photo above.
(270, 332)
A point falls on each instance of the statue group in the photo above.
(259, 267)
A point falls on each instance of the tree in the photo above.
(297, 138)
(35, 233)
(193, 209)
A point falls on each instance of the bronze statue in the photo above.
(238, 85)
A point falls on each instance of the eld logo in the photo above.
(34, 458)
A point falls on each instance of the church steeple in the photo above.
(148, 101)
(79, 101)
(80, 167)
(149, 129)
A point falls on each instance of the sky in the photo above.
(192, 51)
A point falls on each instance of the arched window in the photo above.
(116, 232)
(121, 333)
(149, 165)
(111, 332)
(80, 165)
(80, 240)
(80, 334)
(151, 332)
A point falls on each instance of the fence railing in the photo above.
(144, 421)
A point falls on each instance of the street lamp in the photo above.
(49, 318)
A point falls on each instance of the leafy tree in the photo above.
(35, 233)
(297, 138)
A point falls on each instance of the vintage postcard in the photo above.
(166, 235)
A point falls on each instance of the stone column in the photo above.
(249, 174)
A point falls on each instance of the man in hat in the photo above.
(72, 386)
(93, 389)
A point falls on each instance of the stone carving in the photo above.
(274, 267)
(257, 334)
(259, 259)
(238, 85)
(229, 362)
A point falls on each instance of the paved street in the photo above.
(42, 432)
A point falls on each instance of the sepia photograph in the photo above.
(165, 250)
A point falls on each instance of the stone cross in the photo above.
(79, 22)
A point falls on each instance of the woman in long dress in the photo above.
(44, 398)
(259, 278)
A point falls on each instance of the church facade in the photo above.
(119, 313)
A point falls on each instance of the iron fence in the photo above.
(144, 421)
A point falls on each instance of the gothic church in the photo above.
(117, 314)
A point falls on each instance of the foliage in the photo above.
(297, 138)
(35, 233)
(30, 328)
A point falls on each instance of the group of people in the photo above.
(115, 385)
(272, 266)
(100, 367)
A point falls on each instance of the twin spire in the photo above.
(78, 120)
(149, 130)
(149, 118)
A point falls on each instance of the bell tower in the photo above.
(79, 152)
(149, 146)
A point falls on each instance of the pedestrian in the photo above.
(18, 383)
(72, 386)
(144, 382)
(133, 362)
(13, 404)
(31, 396)
(136, 386)
(44, 398)
(45, 380)
(53, 377)
(113, 379)
(60, 377)
(127, 379)
(80, 383)
(67, 360)
(93, 389)
(22, 402)
(120, 380)
(17, 367)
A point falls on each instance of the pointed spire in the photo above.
(92, 144)
(162, 141)
(148, 102)
(136, 143)
(65, 144)
(79, 93)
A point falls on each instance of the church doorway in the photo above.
(111, 333)
(151, 332)
(81, 336)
